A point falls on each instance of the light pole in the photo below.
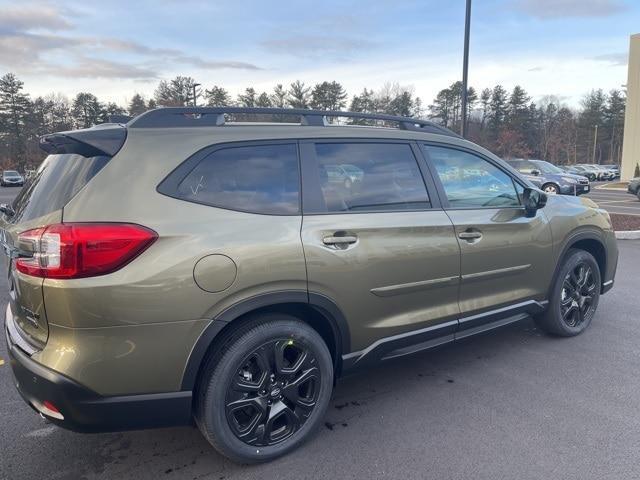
(595, 141)
(195, 97)
(465, 68)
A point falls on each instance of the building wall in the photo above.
(631, 144)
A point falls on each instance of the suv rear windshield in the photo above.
(56, 182)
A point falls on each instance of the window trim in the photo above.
(312, 200)
(169, 185)
(444, 199)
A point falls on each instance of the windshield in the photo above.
(11, 173)
(546, 167)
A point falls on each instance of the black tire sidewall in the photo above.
(213, 418)
(574, 258)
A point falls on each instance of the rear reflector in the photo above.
(80, 250)
(49, 409)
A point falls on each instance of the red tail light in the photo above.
(78, 250)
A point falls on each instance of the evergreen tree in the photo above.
(248, 98)
(498, 110)
(279, 96)
(217, 97)
(298, 95)
(86, 110)
(137, 105)
(328, 96)
(177, 92)
(263, 100)
(15, 107)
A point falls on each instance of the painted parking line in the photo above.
(606, 202)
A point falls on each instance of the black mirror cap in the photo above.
(536, 172)
(533, 200)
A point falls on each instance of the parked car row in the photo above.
(550, 178)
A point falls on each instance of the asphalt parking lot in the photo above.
(616, 201)
(512, 404)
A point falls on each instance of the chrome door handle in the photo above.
(469, 235)
(346, 240)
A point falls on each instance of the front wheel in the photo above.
(267, 389)
(574, 297)
(551, 189)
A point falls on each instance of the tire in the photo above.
(235, 419)
(551, 188)
(569, 312)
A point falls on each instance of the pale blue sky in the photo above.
(117, 48)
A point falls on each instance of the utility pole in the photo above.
(465, 68)
(195, 95)
(595, 140)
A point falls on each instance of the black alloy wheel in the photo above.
(273, 392)
(577, 296)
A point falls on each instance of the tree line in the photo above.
(508, 123)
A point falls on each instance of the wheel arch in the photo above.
(588, 241)
(318, 311)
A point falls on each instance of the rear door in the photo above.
(379, 245)
(505, 265)
(37, 205)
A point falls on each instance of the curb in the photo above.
(628, 235)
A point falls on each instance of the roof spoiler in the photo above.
(105, 139)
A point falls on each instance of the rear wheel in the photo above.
(266, 391)
(551, 188)
(575, 295)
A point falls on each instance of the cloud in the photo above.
(547, 9)
(613, 59)
(32, 17)
(25, 48)
(315, 46)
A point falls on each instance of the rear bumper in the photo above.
(86, 411)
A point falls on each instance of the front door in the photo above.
(505, 264)
(379, 245)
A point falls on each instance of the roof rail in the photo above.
(215, 116)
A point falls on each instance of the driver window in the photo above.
(472, 182)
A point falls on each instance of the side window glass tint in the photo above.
(471, 181)
(369, 177)
(259, 179)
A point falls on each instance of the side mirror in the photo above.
(7, 210)
(536, 172)
(533, 200)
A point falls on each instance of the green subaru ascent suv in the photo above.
(207, 266)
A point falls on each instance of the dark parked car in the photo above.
(11, 178)
(634, 187)
(550, 178)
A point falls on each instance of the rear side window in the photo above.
(54, 184)
(370, 177)
(258, 178)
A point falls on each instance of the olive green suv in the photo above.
(203, 265)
